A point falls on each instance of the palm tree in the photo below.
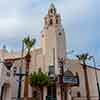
(84, 58)
(39, 80)
(29, 43)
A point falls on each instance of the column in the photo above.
(58, 93)
(44, 93)
(69, 94)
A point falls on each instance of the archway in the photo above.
(5, 92)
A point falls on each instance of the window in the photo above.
(51, 91)
(51, 22)
(78, 94)
(34, 93)
(56, 21)
(60, 34)
(51, 11)
(8, 74)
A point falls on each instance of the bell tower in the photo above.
(53, 37)
(52, 17)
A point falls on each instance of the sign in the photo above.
(51, 69)
(70, 80)
(51, 72)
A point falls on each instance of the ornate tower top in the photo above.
(52, 10)
(52, 6)
(52, 18)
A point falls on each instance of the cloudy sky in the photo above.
(80, 19)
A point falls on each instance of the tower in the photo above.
(53, 37)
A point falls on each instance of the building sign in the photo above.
(51, 72)
(51, 69)
(70, 80)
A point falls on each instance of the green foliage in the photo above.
(84, 57)
(38, 79)
(29, 43)
(33, 78)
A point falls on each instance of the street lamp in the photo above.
(61, 65)
(20, 74)
(61, 76)
(94, 62)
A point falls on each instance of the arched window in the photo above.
(51, 22)
(56, 21)
(51, 10)
(77, 75)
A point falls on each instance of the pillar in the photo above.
(58, 93)
(44, 93)
(69, 94)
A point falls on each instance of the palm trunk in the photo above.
(27, 58)
(61, 92)
(41, 90)
(86, 81)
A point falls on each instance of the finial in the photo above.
(4, 46)
(52, 6)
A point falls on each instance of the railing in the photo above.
(85, 98)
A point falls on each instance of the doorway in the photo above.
(5, 92)
(51, 93)
(67, 94)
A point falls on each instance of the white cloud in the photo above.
(21, 17)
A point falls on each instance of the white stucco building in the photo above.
(53, 46)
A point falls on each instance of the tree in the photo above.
(84, 58)
(29, 43)
(39, 80)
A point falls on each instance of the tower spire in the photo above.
(52, 18)
(52, 6)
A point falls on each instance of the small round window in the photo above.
(60, 33)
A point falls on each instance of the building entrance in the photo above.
(51, 93)
(5, 92)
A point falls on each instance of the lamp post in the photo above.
(61, 62)
(61, 65)
(94, 62)
(20, 74)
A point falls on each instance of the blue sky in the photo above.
(80, 19)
